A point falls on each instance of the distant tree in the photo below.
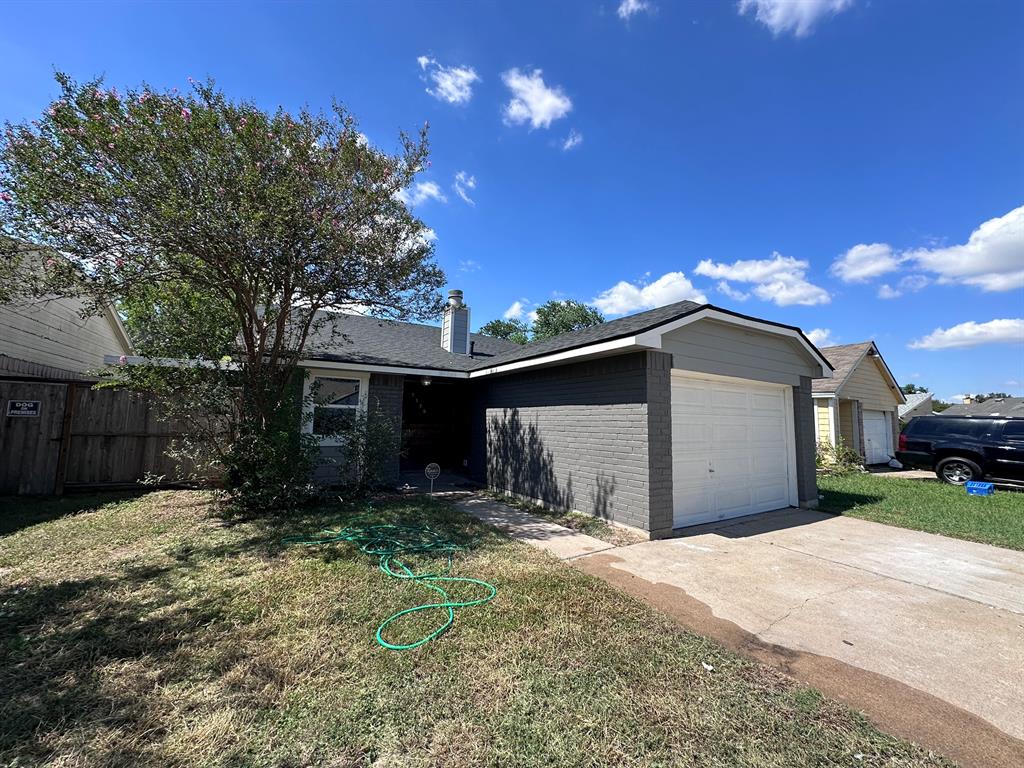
(556, 317)
(219, 229)
(913, 389)
(511, 330)
(980, 398)
(940, 405)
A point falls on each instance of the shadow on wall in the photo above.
(518, 462)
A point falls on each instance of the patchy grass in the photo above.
(591, 525)
(928, 505)
(148, 632)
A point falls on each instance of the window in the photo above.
(1014, 431)
(336, 399)
(927, 426)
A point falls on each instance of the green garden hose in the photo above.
(387, 542)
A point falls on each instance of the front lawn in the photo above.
(147, 631)
(927, 505)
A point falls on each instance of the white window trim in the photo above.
(363, 377)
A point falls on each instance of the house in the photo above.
(994, 406)
(859, 404)
(48, 338)
(676, 416)
(918, 404)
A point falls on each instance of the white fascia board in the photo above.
(652, 338)
(822, 395)
(335, 365)
(591, 350)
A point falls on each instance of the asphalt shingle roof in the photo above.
(372, 341)
(844, 358)
(1003, 406)
(913, 401)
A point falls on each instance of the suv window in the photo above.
(924, 426)
(1014, 431)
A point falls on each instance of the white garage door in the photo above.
(732, 448)
(877, 437)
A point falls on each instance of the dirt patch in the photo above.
(893, 706)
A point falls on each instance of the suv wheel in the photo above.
(957, 471)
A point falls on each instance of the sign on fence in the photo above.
(22, 407)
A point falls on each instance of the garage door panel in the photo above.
(730, 449)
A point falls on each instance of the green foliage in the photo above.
(216, 228)
(913, 389)
(512, 330)
(981, 398)
(370, 445)
(839, 459)
(940, 405)
(556, 317)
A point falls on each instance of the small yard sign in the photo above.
(23, 408)
(433, 471)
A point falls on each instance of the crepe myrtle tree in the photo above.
(226, 229)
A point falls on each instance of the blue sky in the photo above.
(852, 167)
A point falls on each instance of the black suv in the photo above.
(962, 448)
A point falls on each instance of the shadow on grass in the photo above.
(842, 501)
(25, 511)
(82, 660)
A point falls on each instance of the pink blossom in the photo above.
(110, 145)
(5, 197)
(186, 114)
(122, 359)
(50, 262)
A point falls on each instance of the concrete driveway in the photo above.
(923, 633)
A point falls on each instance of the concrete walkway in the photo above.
(564, 543)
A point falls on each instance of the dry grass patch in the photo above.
(148, 632)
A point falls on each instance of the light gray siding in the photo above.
(709, 346)
(52, 333)
(579, 437)
(804, 432)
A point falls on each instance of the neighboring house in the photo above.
(859, 403)
(918, 404)
(996, 406)
(49, 339)
(672, 417)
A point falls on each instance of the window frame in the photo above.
(312, 374)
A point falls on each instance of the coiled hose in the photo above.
(388, 542)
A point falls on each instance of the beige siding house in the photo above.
(50, 339)
(859, 404)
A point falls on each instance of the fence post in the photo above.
(65, 438)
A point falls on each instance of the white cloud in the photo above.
(821, 337)
(908, 284)
(533, 101)
(780, 279)
(516, 311)
(420, 192)
(992, 258)
(863, 262)
(450, 84)
(629, 8)
(796, 16)
(972, 334)
(469, 265)
(727, 290)
(625, 297)
(464, 183)
(573, 140)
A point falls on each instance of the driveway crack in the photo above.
(802, 604)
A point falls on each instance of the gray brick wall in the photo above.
(659, 430)
(576, 436)
(384, 396)
(803, 415)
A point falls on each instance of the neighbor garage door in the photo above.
(877, 437)
(732, 448)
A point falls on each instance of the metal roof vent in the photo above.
(455, 325)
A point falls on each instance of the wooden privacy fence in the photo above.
(64, 435)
